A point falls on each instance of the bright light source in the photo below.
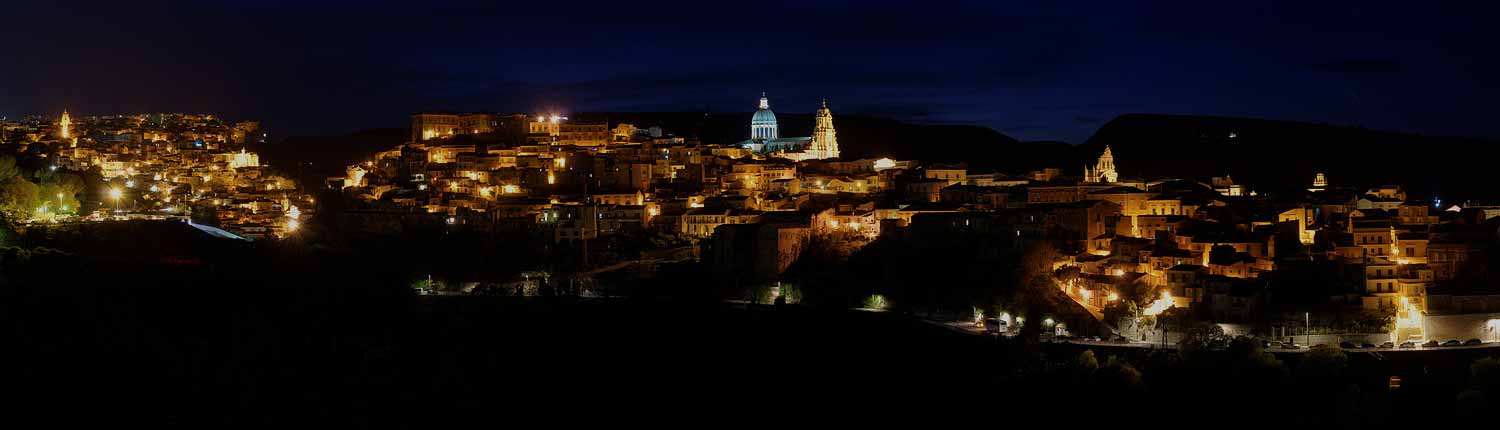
(115, 193)
(884, 163)
(1160, 305)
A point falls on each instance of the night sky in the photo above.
(1029, 69)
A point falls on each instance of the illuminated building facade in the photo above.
(765, 136)
(1104, 170)
(65, 126)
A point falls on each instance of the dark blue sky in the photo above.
(1033, 70)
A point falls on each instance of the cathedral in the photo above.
(766, 140)
(1104, 171)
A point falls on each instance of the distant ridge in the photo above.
(1283, 156)
(311, 159)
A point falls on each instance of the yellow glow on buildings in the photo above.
(1408, 318)
(510, 189)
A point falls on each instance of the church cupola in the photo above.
(763, 124)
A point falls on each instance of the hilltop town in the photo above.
(147, 166)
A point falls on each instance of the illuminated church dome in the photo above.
(763, 124)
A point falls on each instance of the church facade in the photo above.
(1103, 171)
(765, 137)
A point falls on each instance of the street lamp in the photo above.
(1307, 327)
(114, 193)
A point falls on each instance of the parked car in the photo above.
(1348, 345)
(1265, 344)
(1388, 345)
(1452, 342)
(1472, 342)
(1431, 344)
(1408, 345)
(1290, 345)
(1366, 345)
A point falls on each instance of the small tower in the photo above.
(825, 142)
(65, 125)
